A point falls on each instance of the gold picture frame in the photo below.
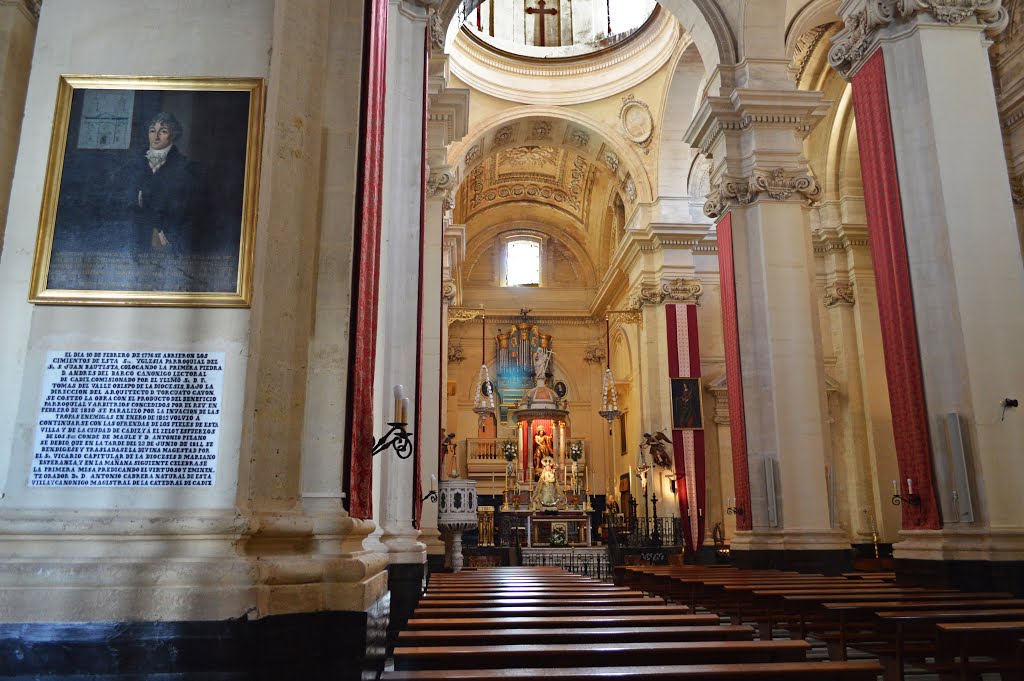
(687, 404)
(151, 191)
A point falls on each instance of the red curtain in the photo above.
(734, 372)
(366, 266)
(895, 296)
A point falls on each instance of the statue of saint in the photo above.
(545, 494)
(542, 447)
(541, 358)
(449, 457)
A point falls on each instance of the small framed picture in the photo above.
(561, 389)
(687, 411)
(150, 192)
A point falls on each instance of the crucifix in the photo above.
(539, 9)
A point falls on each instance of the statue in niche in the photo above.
(542, 448)
(541, 358)
(545, 494)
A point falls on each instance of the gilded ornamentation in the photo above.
(463, 314)
(634, 316)
(645, 294)
(839, 293)
(805, 46)
(865, 18)
(529, 156)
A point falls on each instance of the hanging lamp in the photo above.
(609, 396)
(483, 401)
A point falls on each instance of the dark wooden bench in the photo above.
(597, 654)
(786, 671)
(561, 622)
(594, 601)
(960, 644)
(552, 610)
(567, 636)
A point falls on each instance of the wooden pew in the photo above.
(573, 636)
(605, 620)
(561, 603)
(958, 642)
(917, 629)
(597, 654)
(784, 671)
(552, 610)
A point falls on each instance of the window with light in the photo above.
(522, 263)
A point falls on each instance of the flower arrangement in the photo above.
(575, 450)
(509, 450)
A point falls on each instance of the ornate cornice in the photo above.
(777, 184)
(863, 19)
(839, 293)
(804, 50)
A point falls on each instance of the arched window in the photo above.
(522, 262)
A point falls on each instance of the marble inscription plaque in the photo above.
(128, 419)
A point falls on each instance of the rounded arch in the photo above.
(702, 19)
(681, 99)
(483, 238)
(803, 16)
(577, 131)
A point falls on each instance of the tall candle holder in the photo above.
(911, 499)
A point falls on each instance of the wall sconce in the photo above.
(733, 509)
(432, 494)
(911, 498)
(397, 438)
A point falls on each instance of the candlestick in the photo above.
(399, 391)
(910, 486)
(433, 483)
(895, 487)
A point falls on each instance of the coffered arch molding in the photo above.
(702, 19)
(631, 164)
(484, 237)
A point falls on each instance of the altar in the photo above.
(558, 529)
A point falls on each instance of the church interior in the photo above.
(550, 315)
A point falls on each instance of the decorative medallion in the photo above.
(637, 122)
(612, 161)
(541, 130)
(473, 155)
(505, 135)
(630, 188)
(839, 293)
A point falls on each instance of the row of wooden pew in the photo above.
(955, 634)
(534, 623)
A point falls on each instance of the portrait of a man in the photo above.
(686, 404)
(151, 193)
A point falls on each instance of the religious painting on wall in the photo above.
(686, 404)
(150, 195)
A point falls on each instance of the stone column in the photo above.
(447, 122)
(400, 266)
(761, 187)
(17, 36)
(932, 169)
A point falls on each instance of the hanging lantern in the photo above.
(609, 397)
(483, 401)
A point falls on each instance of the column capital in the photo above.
(679, 290)
(774, 183)
(31, 7)
(866, 20)
(839, 293)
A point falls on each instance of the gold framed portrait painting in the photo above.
(687, 407)
(150, 194)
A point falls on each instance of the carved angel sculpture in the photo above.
(659, 455)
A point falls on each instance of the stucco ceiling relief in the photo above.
(636, 122)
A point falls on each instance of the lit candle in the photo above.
(399, 394)
(910, 486)
(433, 483)
(895, 488)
